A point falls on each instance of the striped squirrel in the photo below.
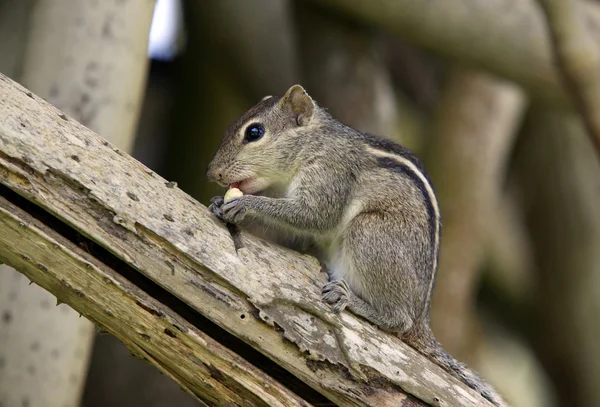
(365, 204)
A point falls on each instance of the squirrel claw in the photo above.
(217, 200)
(216, 210)
(340, 305)
(336, 293)
(215, 206)
(235, 210)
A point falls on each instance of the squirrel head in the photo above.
(259, 150)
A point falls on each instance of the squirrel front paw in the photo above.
(235, 210)
(215, 206)
(337, 293)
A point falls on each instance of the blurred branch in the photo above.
(558, 174)
(578, 58)
(265, 295)
(506, 38)
(475, 125)
(89, 59)
(509, 250)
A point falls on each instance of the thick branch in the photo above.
(577, 57)
(504, 37)
(148, 328)
(265, 295)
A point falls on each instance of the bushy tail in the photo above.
(425, 343)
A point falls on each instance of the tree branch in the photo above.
(153, 332)
(264, 295)
(578, 58)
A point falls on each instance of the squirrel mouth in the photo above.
(240, 184)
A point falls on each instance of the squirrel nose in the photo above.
(213, 174)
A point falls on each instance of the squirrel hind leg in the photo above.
(379, 252)
(339, 294)
(365, 278)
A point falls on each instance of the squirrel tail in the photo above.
(425, 343)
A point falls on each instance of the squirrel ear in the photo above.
(298, 104)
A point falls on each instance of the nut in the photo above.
(232, 193)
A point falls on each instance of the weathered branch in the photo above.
(265, 295)
(578, 58)
(199, 364)
(505, 37)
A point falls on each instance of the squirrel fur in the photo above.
(364, 204)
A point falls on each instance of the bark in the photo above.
(505, 37)
(149, 329)
(267, 296)
(89, 58)
(578, 59)
(558, 169)
(476, 123)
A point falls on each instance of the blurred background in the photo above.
(518, 289)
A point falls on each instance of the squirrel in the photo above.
(364, 204)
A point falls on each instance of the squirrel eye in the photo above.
(254, 132)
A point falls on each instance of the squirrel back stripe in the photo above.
(414, 170)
